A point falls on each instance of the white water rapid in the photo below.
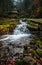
(20, 35)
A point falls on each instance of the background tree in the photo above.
(27, 8)
(5, 5)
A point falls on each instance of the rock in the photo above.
(1, 44)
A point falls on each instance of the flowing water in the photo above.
(20, 36)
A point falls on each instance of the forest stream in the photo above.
(21, 36)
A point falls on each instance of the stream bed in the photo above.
(20, 37)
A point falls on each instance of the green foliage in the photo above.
(38, 42)
(19, 62)
(34, 53)
(40, 53)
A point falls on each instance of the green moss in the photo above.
(5, 23)
(39, 42)
(35, 20)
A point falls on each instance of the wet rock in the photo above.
(1, 44)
